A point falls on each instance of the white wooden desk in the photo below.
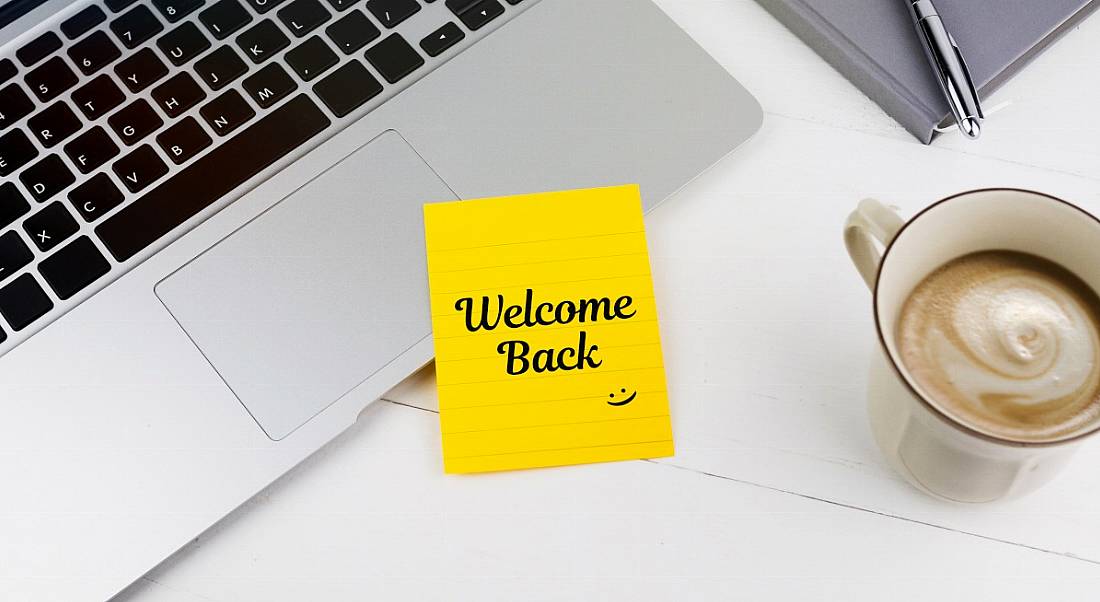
(777, 490)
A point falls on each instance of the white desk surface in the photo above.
(777, 490)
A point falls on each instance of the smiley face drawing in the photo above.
(623, 402)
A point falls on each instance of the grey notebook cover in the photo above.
(873, 43)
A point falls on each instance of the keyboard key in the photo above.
(14, 105)
(136, 26)
(23, 301)
(342, 5)
(441, 39)
(7, 70)
(303, 16)
(47, 178)
(392, 12)
(347, 88)
(12, 204)
(311, 58)
(174, 10)
(118, 5)
(73, 268)
(54, 124)
(140, 168)
(178, 94)
(38, 48)
(394, 58)
(481, 13)
(96, 197)
(262, 41)
(141, 70)
(14, 254)
(97, 97)
(211, 177)
(93, 52)
(224, 18)
(50, 79)
(82, 22)
(353, 31)
(50, 226)
(134, 122)
(220, 67)
(16, 150)
(460, 6)
(227, 112)
(269, 85)
(91, 149)
(183, 43)
(183, 140)
(262, 6)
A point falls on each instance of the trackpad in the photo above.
(309, 299)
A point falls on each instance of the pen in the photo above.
(949, 67)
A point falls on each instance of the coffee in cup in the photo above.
(1007, 343)
(987, 371)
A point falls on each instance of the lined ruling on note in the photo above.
(547, 345)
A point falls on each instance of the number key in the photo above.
(174, 10)
(93, 52)
(50, 79)
(136, 26)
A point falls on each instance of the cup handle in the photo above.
(871, 222)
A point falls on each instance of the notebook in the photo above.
(873, 44)
(545, 325)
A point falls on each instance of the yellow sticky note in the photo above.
(547, 346)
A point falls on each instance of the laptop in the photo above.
(211, 245)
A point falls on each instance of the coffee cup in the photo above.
(939, 451)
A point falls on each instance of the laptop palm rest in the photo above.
(312, 297)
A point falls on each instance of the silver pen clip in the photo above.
(949, 66)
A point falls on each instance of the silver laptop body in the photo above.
(191, 314)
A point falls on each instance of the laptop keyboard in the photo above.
(125, 120)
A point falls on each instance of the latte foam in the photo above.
(1007, 343)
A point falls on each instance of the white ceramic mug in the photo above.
(937, 454)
